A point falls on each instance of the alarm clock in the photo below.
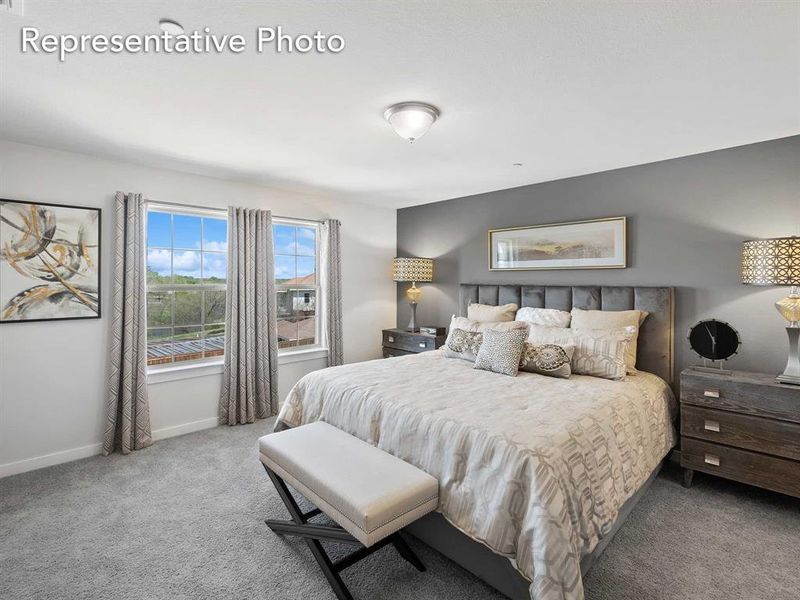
(714, 340)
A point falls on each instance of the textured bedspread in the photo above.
(534, 467)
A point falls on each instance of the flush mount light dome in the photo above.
(411, 120)
(170, 26)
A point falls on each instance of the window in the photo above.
(297, 283)
(187, 264)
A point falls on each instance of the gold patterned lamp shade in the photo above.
(776, 261)
(413, 270)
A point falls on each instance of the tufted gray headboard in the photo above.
(655, 349)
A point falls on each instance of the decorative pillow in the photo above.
(549, 317)
(492, 314)
(612, 319)
(463, 344)
(501, 351)
(547, 359)
(465, 326)
(598, 352)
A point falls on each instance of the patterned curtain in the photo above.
(127, 408)
(250, 377)
(332, 284)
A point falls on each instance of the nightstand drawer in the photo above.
(408, 341)
(777, 474)
(742, 431)
(390, 352)
(742, 393)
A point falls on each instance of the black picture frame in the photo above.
(99, 270)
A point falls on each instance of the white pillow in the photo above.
(490, 313)
(481, 326)
(598, 352)
(549, 317)
(612, 319)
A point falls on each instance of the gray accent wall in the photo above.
(687, 218)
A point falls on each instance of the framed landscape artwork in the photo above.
(49, 262)
(595, 244)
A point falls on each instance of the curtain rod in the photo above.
(225, 210)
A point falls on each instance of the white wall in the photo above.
(53, 374)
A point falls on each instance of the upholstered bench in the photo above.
(368, 492)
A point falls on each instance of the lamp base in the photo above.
(789, 307)
(791, 375)
(412, 323)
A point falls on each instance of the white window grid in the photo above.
(317, 288)
(173, 288)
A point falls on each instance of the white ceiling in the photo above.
(566, 88)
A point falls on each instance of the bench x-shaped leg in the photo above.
(312, 533)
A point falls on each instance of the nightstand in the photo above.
(397, 342)
(741, 426)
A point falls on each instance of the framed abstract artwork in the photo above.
(49, 262)
(595, 244)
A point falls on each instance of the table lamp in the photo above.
(776, 261)
(413, 270)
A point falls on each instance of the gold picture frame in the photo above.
(589, 244)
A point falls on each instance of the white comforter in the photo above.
(534, 467)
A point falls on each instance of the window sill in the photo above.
(187, 371)
(190, 371)
(293, 356)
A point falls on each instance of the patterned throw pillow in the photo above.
(468, 326)
(500, 351)
(598, 352)
(612, 319)
(547, 359)
(463, 344)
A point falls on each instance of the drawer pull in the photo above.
(423, 345)
(712, 459)
(711, 426)
(711, 393)
(390, 338)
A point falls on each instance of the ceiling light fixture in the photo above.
(170, 26)
(411, 120)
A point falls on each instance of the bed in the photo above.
(536, 473)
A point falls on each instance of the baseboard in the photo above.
(48, 460)
(168, 432)
(64, 456)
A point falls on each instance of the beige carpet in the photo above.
(184, 520)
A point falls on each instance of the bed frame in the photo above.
(654, 354)
(496, 570)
